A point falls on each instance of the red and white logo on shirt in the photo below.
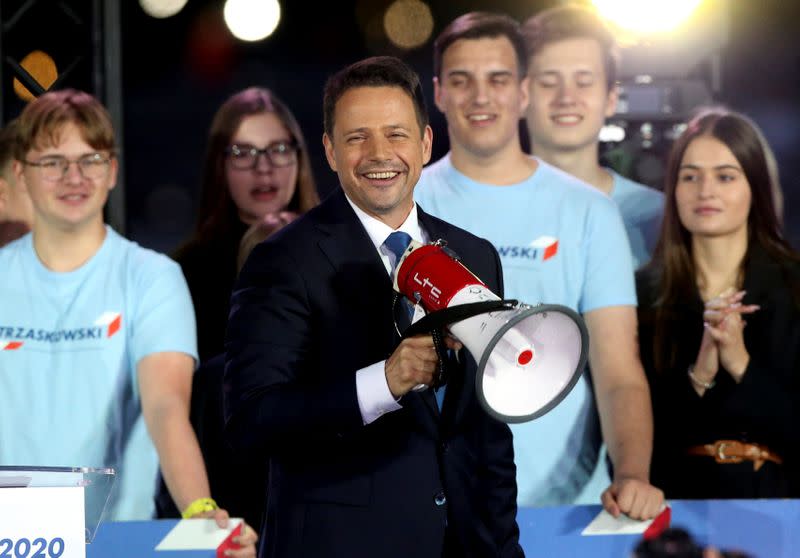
(111, 319)
(548, 245)
(10, 345)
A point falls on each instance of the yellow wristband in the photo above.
(201, 505)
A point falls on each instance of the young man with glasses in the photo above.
(97, 337)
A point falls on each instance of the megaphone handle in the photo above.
(440, 377)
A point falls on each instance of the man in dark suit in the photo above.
(361, 464)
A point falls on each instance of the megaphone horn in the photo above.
(529, 357)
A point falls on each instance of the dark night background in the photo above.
(177, 71)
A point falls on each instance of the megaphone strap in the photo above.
(441, 368)
(439, 319)
(435, 322)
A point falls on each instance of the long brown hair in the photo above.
(672, 272)
(218, 212)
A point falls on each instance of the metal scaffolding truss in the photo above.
(82, 37)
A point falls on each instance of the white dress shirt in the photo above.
(374, 397)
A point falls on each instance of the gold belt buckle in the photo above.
(722, 458)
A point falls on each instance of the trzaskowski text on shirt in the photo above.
(29, 337)
(70, 344)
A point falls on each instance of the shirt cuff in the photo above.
(372, 389)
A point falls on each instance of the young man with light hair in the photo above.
(97, 335)
(572, 68)
(560, 241)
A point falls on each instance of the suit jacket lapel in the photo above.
(431, 226)
(345, 242)
(349, 249)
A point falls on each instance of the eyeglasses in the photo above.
(279, 154)
(54, 167)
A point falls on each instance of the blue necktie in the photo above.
(397, 242)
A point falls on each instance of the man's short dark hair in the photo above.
(378, 71)
(481, 25)
(573, 22)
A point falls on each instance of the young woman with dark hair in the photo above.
(726, 398)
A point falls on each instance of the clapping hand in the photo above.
(273, 222)
(724, 324)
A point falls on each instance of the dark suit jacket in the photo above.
(313, 306)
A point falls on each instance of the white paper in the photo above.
(607, 524)
(45, 520)
(197, 534)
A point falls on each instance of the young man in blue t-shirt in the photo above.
(560, 241)
(572, 72)
(97, 336)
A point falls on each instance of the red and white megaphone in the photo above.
(529, 357)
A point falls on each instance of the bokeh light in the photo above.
(210, 47)
(42, 68)
(252, 20)
(408, 23)
(640, 16)
(613, 133)
(162, 8)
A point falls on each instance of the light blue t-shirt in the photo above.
(69, 345)
(561, 242)
(642, 208)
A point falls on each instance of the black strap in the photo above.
(435, 322)
(442, 318)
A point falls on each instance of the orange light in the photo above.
(42, 68)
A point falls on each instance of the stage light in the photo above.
(162, 8)
(640, 16)
(252, 20)
(612, 133)
(408, 23)
(42, 68)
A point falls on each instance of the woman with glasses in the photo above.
(256, 175)
(256, 170)
(726, 398)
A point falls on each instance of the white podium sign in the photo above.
(42, 522)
